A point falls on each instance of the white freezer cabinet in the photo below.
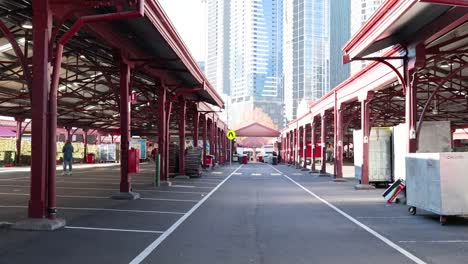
(438, 182)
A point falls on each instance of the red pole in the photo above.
(42, 21)
(162, 127)
(304, 145)
(411, 113)
(196, 120)
(288, 143)
(19, 134)
(182, 116)
(125, 185)
(323, 137)
(339, 144)
(314, 143)
(85, 139)
(204, 137)
(293, 147)
(69, 136)
(167, 138)
(211, 138)
(365, 115)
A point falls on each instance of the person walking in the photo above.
(67, 157)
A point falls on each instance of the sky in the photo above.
(189, 19)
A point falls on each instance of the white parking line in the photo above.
(384, 217)
(113, 229)
(106, 197)
(169, 200)
(94, 182)
(102, 189)
(366, 228)
(189, 186)
(101, 209)
(12, 179)
(159, 240)
(435, 241)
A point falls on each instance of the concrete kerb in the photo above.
(165, 183)
(339, 180)
(126, 196)
(182, 177)
(364, 187)
(39, 224)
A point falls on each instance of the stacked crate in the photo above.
(173, 159)
(193, 162)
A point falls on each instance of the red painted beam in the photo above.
(42, 21)
(323, 140)
(125, 184)
(182, 126)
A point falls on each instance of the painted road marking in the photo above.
(101, 209)
(368, 229)
(297, 173)
(384, 217)
(435, 241)
(256, 174)
(12, 179)
(169, 200)
(189, 186)
(106, 197)
(145, 253)
(113, 229)
(237, 173)
(217, 172)
(275, 174)
(94, 182)
(102, 189)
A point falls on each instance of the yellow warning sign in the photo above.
(231, 134)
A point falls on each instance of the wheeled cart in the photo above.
(437, 182)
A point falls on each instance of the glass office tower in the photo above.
(256, 57)
(307, 52)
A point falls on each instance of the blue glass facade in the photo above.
(256, 55)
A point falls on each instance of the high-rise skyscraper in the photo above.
(306, 52)
(340, 32)
(361, 11)
(217, 53)
(256, 57)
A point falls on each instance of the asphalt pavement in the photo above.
(254, 213)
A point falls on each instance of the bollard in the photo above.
(157, 176)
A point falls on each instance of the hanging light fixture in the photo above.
(27, 25)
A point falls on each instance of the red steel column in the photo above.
(167, 138)
(42, 21)
(182, 117)
(304, 145)
(313, 144)
(290, 152)
(162, 130)
(411, 113)
(19, 134)
(294, 146)
(125, 185)
(211, 136)
(365, 126)
(196, 120)
(338, 143)
(323, 139)
(69, 135)
(85, 141)
(204, 136)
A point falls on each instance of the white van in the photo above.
(268, 153)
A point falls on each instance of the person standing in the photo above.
(67, 157)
